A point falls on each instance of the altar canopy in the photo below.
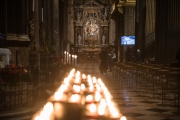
(4, 57)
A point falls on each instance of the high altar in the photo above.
(89, 28)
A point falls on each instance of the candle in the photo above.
(91, 110)
(42, 14)
(97, 96)
(123, 118)
(94, 79)
(67, 57)
(64, 56)
(75, 98)
(70, 59)
(102, 107)
(76, 88)
(46, 113)
(89, 98)
(33, 6)
(75, 60)
(83, 87)
(83, 76)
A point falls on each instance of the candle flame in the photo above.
(77, 88)
(83, 87)
(58, 95)
(75, 98)
(97, 96)
(83, 76)
(37, 118)
(102, 107)
(89, 98)
(123, 118)
(45, 114)
(94, 79)
(92, 108)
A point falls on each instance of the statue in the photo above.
(78, 16)
(103, 39)
(79, 39)
(91, 30)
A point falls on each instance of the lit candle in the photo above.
(94, 79)
(83, 77)
(46, 113)
(102, 107)
(91, 110)
(42, 14)
(97, 96)
(75, 60)
(76, 88)
(123, 118)
(83, 87)
(75, 98)
(33, 6)
(89, 98)
(67, 57)
(64, 56)
(70, 59)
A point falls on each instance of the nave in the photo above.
(133, 103)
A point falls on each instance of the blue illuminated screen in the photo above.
(127, 40)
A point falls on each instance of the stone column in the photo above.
(56, 24)
(36, 22)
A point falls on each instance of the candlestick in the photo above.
(33, 5)
(42, 14)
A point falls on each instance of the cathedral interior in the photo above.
(42, 40)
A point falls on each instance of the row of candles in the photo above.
(70, 59)
(80, 97)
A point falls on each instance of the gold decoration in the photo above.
(32, 33)
(43, 46)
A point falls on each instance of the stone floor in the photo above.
(133, 103)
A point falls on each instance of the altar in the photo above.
(90, 30)
(89, 54)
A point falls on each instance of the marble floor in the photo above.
(133, 103)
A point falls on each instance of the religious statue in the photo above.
(91, 29)
(105, 15)
(79, 39)
(78, 16)
(103, 39)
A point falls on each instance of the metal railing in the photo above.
(24, 89)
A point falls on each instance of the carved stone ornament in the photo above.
(43, 46)
(33, 45)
